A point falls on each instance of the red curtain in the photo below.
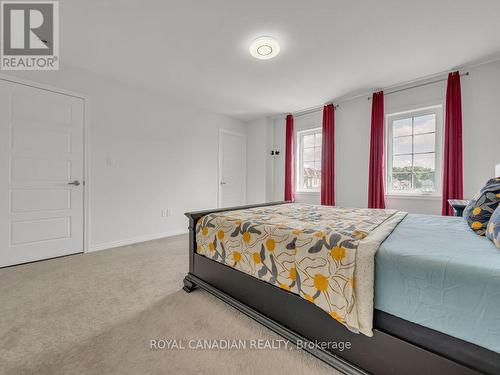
(376, 191)
(452, 154)
(328, 156)
(289, 160)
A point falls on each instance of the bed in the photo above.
(427, 297)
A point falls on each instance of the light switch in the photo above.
(110, 162)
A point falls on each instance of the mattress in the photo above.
(434, 271)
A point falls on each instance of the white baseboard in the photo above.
(130, 241)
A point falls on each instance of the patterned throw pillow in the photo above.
(478, 212)
(493, 230)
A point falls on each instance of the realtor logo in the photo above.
(30, 35)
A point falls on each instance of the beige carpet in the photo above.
(97, 314)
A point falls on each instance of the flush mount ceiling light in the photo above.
(264, 48)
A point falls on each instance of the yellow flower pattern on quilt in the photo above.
(308, 250)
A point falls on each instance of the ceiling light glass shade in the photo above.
(264, 48)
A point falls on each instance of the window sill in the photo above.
(414, 196)
(308, 192)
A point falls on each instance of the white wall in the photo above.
(481, 139)
(481, 119)
(259, 161)
(352, 151)
(164, 155)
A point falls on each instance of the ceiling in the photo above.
(197, 50)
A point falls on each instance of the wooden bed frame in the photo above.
(397, 346)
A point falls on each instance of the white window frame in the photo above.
(437, 110)
(298, 170)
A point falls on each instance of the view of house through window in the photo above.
(309, 160)
(412, 152)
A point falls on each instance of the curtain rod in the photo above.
(320, 107)
(311, 110)
(419, 85)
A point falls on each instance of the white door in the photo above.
(41, 153)
(232, 169)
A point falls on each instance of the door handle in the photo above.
(222, 183)
(75, 183)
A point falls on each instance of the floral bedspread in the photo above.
(308, 250)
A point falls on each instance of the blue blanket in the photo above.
(434, 271)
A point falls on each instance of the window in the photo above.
(413, 157)
(309, 160)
